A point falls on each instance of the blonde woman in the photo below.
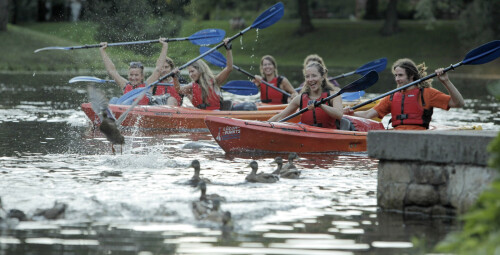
(204, 89)
(316, 87)
(269, 73)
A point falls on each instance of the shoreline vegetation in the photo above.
(343, 44)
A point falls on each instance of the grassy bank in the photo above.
(342, 44)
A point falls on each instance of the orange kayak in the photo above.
(171, 117)
(236, 135)
(267, 107)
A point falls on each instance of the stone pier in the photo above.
(436, 173)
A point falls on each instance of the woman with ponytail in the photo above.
(412, 108)
(316, 87)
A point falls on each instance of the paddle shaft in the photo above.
(316, 104)
(262, 81)
(452, 67)
(342, 75)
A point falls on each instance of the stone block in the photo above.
(429, 174)
(390, 196)
(394, 171)
(421, 195)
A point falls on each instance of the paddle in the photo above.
(98, 80)
(216, 58)
(361, 84)
(480, 55)
(377, 65)
(265, 19)
(202, 37)
(242, 88)
(351, 96)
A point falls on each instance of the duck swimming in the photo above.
(289, 174)
(260, 177)
(196, 179)
(108, 125)
(290, 165)
(207, 204)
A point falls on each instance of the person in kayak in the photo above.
(269, 73)
(204, 89)
(317, 87)
(135, 71)
(167, 95)
(412, 108)
(316, 58)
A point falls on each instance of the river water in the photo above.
(49, 153)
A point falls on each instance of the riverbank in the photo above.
(353, 44)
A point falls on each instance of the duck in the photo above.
(108, 125)
(260, 177)
(290, 174)
(196, 179)
(290, 165)
(11, 214)
(56, 212)
(207, 204)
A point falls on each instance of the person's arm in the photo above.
(368, 114)
(288, 88)
(290, 109)
(224, 74)
(456, 99)
(160, 62)
(335, 110)
(110, 67)
(257, 80)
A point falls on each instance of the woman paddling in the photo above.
(269, 73)
(204, 90)
(317, 87)
(135, 71)
(167, 95)
(412, 108)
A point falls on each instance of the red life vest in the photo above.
(129, 87)
(213, 100)
(317, 117)
(272, 96)
(160, 90)
(406, 110)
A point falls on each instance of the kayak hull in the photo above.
(236, 135)
(172, 117)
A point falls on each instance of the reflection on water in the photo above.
(48, 153)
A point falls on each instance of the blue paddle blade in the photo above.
(242, 88)
(207, 36)
(128, 98)
(362, 83)
(351, 96)
(214, 57)
(376, 65)
(483, 54)
(270, 16)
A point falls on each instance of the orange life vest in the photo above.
(272, 96)
(129, 87)
(317, 117)
(213, 100)
(406, 110)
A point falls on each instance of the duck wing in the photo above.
(291, 174)
(267, 178)
(98, 101)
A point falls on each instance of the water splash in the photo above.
(241, 42)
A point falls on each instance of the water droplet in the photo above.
(34, 74)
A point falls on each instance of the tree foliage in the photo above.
(133, 20)
(479, 23)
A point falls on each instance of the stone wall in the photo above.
(437, 173)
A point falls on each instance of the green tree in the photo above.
(132, 20)
(479, 23)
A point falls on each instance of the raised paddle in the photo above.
(377, 65)
(216, 58)
(202, 37)
(361, 84)
(242, 88)
(480, 55)
(265, 19)
(98, 80)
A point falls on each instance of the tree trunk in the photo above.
(391, 19)
(371, 9)
(306, 25)
(4, 14)
(42, 11)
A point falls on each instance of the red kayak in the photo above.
(236, 135)
(172, 117)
